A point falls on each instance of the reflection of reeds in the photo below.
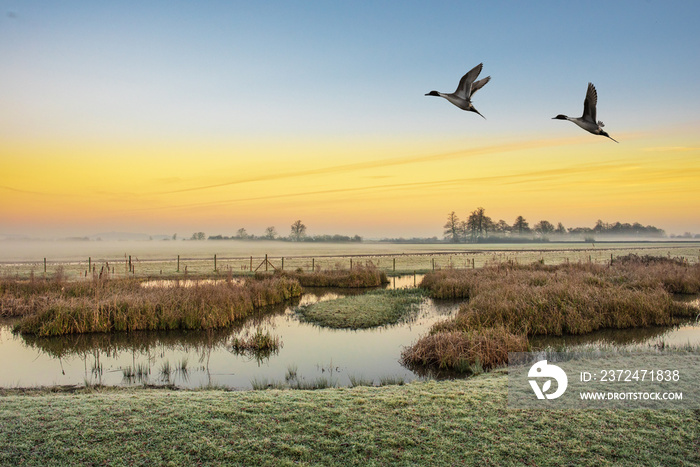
(128, 373)
(122, 305)
(509, 303)
(165, 370)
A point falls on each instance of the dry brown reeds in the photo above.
(367, 275)
(116, 305)
(462, 350)
(528, 300)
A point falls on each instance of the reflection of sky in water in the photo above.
(312, 350)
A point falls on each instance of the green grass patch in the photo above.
(426, 423)
(375, 308)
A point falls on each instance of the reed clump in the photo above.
(367, 275)
(116, 305)
(461, 349)
(510, 302)
(257, 342)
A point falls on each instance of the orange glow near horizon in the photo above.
(374, 188)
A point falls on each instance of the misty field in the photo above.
(169, 259)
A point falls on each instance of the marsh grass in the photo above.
(391, 381)
(508, 303)
(358, 380)
(257, 342)
(367, 275)
(166, 370)
(123, 305)
(375, 308)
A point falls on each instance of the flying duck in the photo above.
(466, 89)
(587, 120)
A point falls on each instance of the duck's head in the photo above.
(602, 133)
(433, 93)
(560, 117)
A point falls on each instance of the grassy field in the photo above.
(197, 259)
(425, 423)
(372, 309)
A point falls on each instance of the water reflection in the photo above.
(193, 359)
(685, 332)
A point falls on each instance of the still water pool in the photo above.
(197, 359)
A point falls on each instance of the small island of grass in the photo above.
(373, 309)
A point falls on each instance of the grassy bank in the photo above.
(124, 305)
(375, 308)
(508, 303)
(428, 423)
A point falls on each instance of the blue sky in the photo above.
(296, 73)
(343, 68)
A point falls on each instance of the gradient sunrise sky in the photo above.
(174, 117)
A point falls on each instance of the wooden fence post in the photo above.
(214, 263)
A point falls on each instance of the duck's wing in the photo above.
(476, 85)
(465, 84)
(589, 104)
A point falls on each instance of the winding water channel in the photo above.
(199, 358)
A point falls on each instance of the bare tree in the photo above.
(452, 228)
(544, 228)
(242, 234)
(199, 236)
(270, 233)
(560, 229)
(298, 231)
(502, 227)
(479, 224)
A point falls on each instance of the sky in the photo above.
(176, 117)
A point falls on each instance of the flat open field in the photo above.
(425, 423)
(211, 257)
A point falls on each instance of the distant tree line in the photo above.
(479, 227)
(297, 233)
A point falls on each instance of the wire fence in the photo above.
(132, 266)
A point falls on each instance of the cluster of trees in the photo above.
(479, 227)
(297, 233)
